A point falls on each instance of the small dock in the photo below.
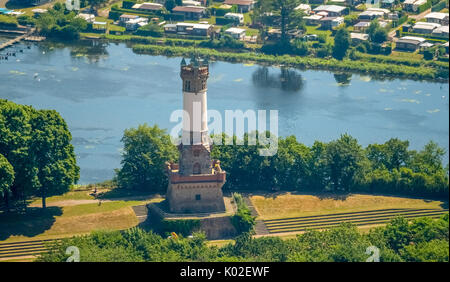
(34, 38)
(25, 36)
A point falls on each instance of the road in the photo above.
(418, 17)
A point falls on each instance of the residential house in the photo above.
(191, 3)
(236, 33)
(413, 5)
(125, 18)
(331, 22)
(441, 31)
(332, 10)
(305, 8)
(90, 18)
(424, 27)
(134, 24)
(244, 6)
(361, 26)
(370, 15)
(439, 18)
(148, 7)
(193, 29)
(409, 43)
(387, 4)
(239, 18)
(190, 12)
(357, 38)
(312, 20)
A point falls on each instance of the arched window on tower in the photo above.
(187, 85)
(196, 169)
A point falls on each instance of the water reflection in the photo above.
(342, 78)
(94, 50)
(288, 79)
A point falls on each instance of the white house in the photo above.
(424, 27)
(441, 31)
(312, 20)
(148, 6)
(236, 33)
(413, 5)
(191, 3)
(303, 7)
(436, 17)
(235, 16)
(136, 23)
(358, 37)
(90, 18)
(332, 10)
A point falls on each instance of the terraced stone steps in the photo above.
(23, 249)
(358, 218)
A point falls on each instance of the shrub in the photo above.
(243, 220)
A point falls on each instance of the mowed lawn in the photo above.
(56, 222)
(292, 205)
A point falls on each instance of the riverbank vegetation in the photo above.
(339, 166)
(386, 70)
(423, 239)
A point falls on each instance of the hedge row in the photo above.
(371, 68)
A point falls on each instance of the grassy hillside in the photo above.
(292, 205)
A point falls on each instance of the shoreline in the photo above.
(434, 71)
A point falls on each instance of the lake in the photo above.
(102, 90)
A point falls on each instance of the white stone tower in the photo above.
(195, 183)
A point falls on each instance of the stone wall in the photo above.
(218, 227)
(195, 197)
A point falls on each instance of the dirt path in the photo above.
(67, 203)
(421, 15)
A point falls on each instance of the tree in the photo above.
(95, 4)
(429, 160)
(376, 33)
(37, 145)
(6, 177)
(343, 159)
(341, 43)
(53, 156)
(392, 154)
(169, 5)
(146, 150)
(15, 135)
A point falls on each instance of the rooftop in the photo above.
(425, 25)
(330, 8)
(235, 30)
(303, 7)
(313, 17)
(362, 24)
(412, 39)
(195, 25)
(148, 6)
(360, 36)
(239, 2)
(436, 15)
(191, 9)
